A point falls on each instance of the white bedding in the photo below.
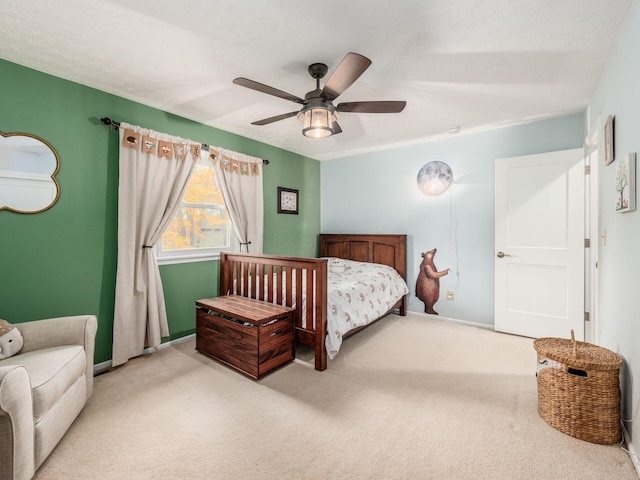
(357, 294)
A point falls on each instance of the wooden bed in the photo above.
(239, 274)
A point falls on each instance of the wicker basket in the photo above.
(579, 388)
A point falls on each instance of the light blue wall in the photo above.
(377, 193)
(618, 93)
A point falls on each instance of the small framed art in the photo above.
(287, 200)
(608, 141)
(626, 184)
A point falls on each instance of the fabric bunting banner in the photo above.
(160, 148)
(232, 165)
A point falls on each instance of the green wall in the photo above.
(63, 261)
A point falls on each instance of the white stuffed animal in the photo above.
(10, 340)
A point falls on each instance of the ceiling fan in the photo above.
(319, 115)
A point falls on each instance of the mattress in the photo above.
(357, 294)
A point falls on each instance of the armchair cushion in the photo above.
(52, 371)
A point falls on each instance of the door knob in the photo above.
(502, 254)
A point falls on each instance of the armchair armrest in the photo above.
(54, 332)
(16, 424)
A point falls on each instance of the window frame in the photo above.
(169, 257)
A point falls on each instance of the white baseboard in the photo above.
(453, 320)
(633, 453)
(102, 367)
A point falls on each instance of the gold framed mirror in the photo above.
(28, 168)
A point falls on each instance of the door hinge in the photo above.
(587, 243)
(587, 169)
(586, 316)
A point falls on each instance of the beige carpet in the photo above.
(408, 398)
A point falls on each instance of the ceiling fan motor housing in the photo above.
(314, 100)
(318, 70)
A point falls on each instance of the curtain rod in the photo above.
(112, 123)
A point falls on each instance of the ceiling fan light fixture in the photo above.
(318, 121)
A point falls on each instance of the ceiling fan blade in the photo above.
(277, 118)
(260, 87)
(372, 107)
(336, 128)
(350, 68)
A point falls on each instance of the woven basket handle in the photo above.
(574, 344)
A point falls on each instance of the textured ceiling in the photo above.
(476, 64)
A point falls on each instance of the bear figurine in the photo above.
(428, 283)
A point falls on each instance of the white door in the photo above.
(539, 245)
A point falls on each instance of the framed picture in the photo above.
(287, 200)
(626, 184)
(608, 141)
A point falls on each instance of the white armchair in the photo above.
(43, 389)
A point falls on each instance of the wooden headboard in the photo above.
(387, 249)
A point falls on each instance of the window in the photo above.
(201, 228)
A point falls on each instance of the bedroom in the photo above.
(63, 261)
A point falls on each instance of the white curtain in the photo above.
(154, 171)
(240, 180)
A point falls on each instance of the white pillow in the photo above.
(336, 265)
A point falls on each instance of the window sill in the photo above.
(171, 260)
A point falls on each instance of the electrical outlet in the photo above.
(450, 295)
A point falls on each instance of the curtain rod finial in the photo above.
(109, 123)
